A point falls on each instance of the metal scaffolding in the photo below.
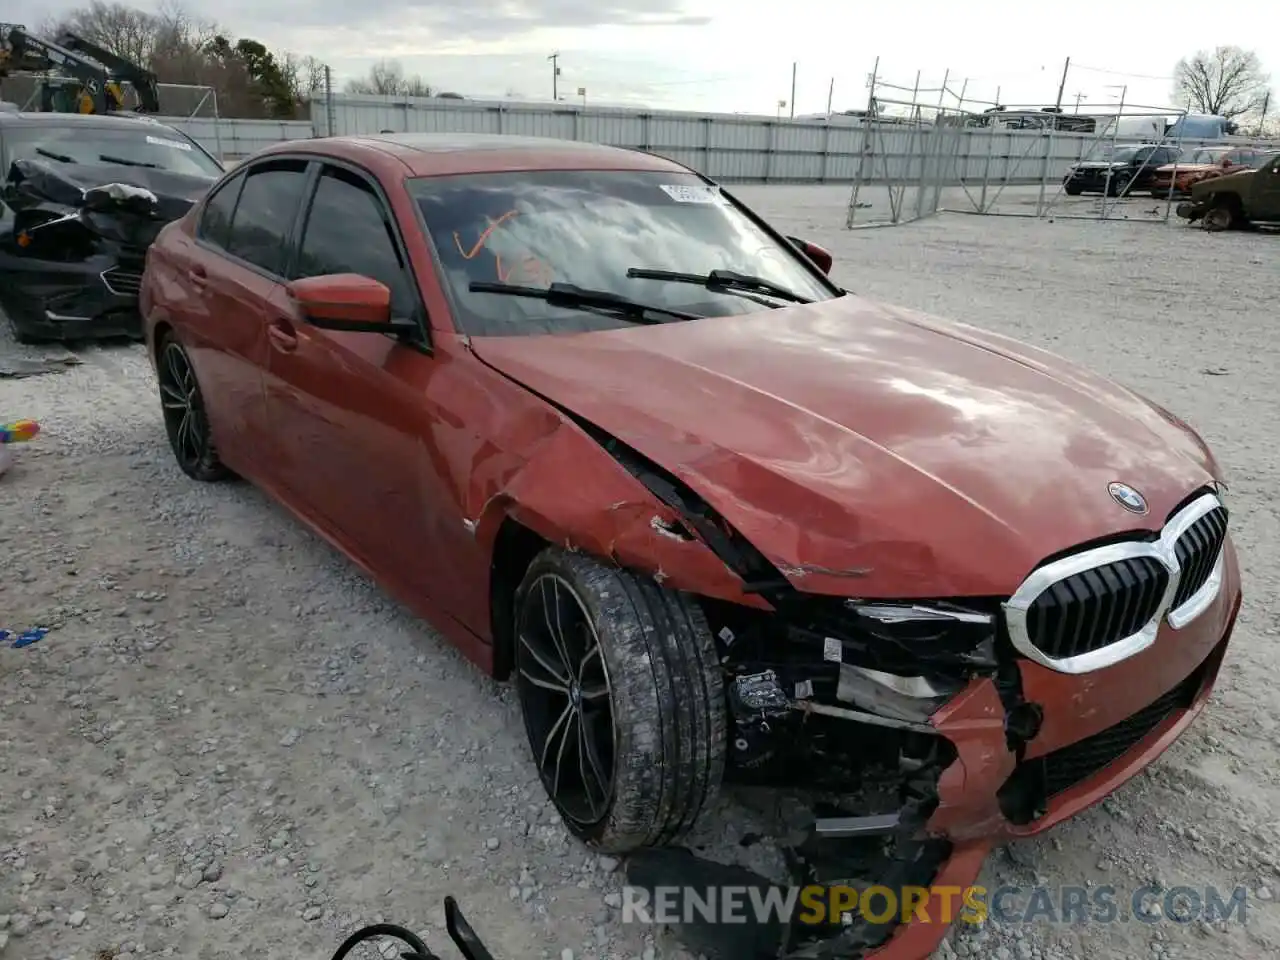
(926, 150)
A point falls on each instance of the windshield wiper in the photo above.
(726, 280)
(576, 298)
(60, 157)
(128, 163)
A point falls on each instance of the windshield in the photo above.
(1203, 156)
(1124, 154)
(588, 228)
(145, 144)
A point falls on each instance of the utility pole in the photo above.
(1063, 85)
(1262, 120)
(555, 76)
(328, 104)
(793, 90)
(1079, 97)
(831, 92)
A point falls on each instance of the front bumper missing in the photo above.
(1096, 730)
(1067, 774)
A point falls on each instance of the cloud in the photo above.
(452, 22)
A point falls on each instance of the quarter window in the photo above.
(215, 221)
(264, 216)
(349, 231)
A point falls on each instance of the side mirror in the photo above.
(460, 932)
(820, 256)
(346, 301)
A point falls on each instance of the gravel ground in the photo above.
(230, 744)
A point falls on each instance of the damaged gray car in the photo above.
(82, 199)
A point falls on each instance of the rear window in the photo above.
(143, 144)
(588, 228)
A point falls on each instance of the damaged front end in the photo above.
(913, 733)
(73, 250)
(841, 704)
(837, 700)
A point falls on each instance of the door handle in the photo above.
(281, 338)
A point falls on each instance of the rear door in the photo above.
(351, 407)
(235, 273)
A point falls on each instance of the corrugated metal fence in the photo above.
(724, 146)
(237, 139)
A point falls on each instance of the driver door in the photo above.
(349, 406)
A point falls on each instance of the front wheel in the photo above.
(623, 701)
(1221, 216)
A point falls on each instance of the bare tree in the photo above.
(386, 78)
(304, 75)
(1227, 82)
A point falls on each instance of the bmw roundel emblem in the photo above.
(1128, 497)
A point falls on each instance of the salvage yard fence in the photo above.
(726, 147)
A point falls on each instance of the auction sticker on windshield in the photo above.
(695, 193)
(174, 144)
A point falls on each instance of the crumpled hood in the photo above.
(121, 203)
(869, 450)
(1236, 178)
(64, 183)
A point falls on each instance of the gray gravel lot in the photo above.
(231, 745)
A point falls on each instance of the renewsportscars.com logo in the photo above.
(827, 906)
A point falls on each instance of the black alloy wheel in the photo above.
(567, 699)
(185, 420)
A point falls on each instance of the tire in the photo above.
(656, 681)
(412, 944)
(1073, 191)
(1221, 216)
(1119, 185)
(185, 421)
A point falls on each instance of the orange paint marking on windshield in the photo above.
(532, 267)
(484, 237)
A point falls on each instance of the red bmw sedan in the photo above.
(717, 518)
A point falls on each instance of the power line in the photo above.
(1119, 73)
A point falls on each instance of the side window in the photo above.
(215, 221)
(348, 231)
(268, 205)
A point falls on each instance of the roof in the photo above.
(442, 154)
(86, 119)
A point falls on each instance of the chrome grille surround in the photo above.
(1163, 549)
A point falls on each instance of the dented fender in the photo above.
(572, 493)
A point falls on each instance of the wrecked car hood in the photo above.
(65, 183)
(868, 450)
(125, 204)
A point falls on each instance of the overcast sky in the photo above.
(730, 55)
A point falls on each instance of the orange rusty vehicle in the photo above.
(1200, 163)
(720, 520)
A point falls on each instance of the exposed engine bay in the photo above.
(73, 243)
